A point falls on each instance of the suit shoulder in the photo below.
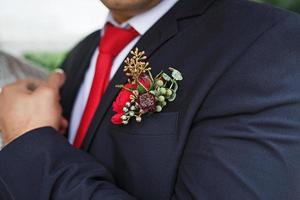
(257, 16)
(251, 8)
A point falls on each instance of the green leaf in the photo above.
(176, 75)
(141, 89)
(166, 77)
(152, 87)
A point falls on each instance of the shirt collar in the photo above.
(144, 21)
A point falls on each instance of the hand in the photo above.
(27, 105)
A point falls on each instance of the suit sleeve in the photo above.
(245, 140)
(42, 165)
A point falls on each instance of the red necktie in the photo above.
(111, 44)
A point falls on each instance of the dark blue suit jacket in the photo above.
(233, 133)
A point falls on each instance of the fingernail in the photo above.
(59, 70)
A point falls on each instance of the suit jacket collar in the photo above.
(160, 33)
(144, 21)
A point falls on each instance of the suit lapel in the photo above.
(160, 33)
(75, 67)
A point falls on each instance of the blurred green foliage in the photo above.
(49, 60)
(293, 5)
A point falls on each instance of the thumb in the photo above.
(56, 79)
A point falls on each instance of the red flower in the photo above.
(145, 80)
(120, 102)
(122, 98)
(147, 102)
(116, 119)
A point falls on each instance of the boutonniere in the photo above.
(143, 93)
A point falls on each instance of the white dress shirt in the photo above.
(141, 23)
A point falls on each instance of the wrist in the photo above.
(11, 135)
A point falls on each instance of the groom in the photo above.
(232, 133)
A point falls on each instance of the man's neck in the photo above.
(120, 18)
(123, 16)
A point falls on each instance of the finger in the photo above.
(33, 84)
(27, 85)
(63, 125)
(15, 87)
(56, 79)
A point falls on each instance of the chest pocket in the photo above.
(151, 125)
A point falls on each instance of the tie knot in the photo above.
(115, 39)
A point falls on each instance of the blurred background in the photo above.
(42, 31)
